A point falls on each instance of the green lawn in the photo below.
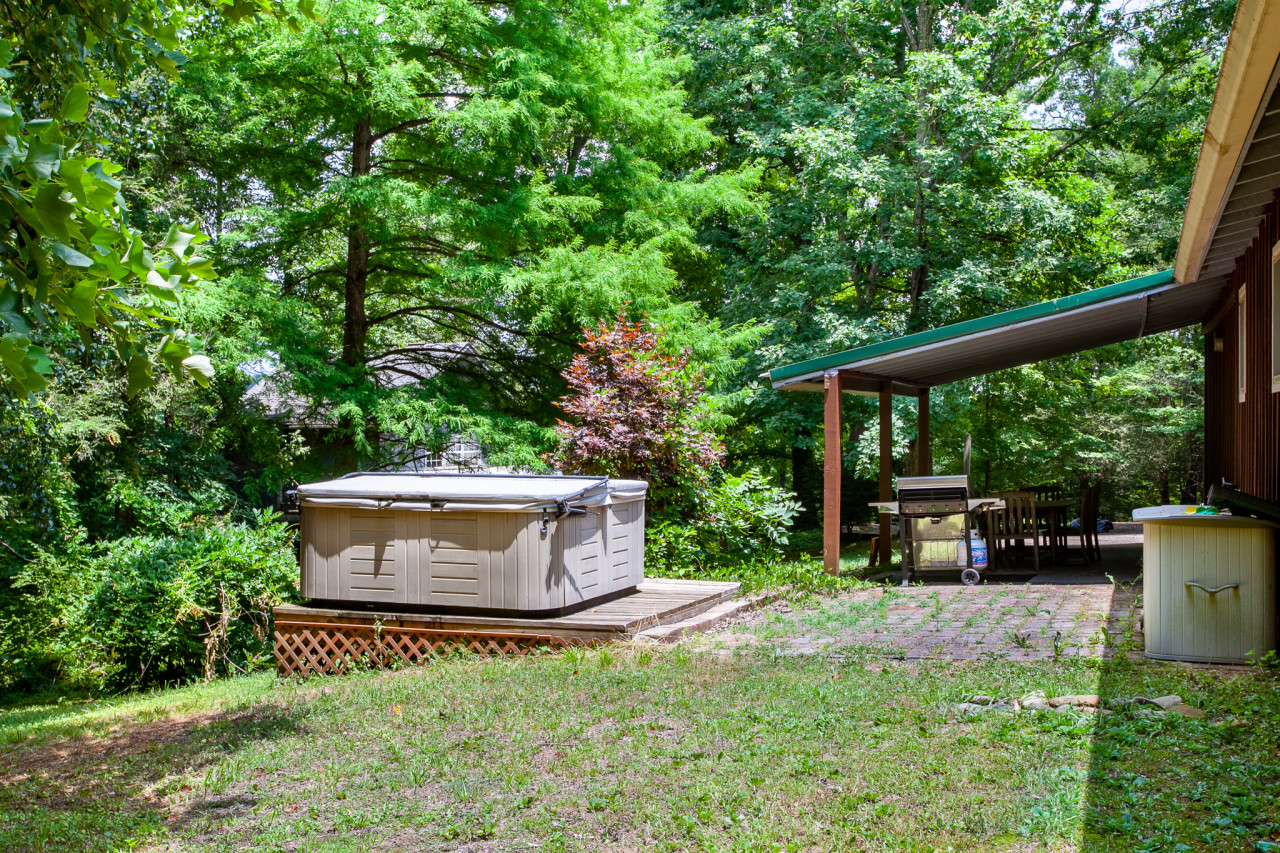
(634, 748)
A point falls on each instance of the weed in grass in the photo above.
(1022, 641)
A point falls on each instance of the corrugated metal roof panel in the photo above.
(1027, 335)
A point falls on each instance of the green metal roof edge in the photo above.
(980, 324)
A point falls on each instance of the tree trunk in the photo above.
(355, 319)
(924, 166)
(1164, 486)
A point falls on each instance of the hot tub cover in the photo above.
(494, 492)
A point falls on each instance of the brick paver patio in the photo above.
(1087, 616)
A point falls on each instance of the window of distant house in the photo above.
(1241, 358)
(1275, 318)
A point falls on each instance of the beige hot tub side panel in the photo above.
(625, 564)
(581, 548)
(457, 559)
(603, 550)
(1190, 624)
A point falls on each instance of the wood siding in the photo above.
(487, 560)
(1242, 439)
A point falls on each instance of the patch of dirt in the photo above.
(132, 754)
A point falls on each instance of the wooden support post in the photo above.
(831, 465)
(924, 441)
(886, 468)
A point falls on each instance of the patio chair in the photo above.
(1088, 530)
(1049, 531)
(1010, 529)
(1089, 523)
(1046, 493)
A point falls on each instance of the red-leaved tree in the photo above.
(637, 413)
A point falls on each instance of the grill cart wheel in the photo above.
(969, 577)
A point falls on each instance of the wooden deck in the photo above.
(311, 640)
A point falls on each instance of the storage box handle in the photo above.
(1213, 591)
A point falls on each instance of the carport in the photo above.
(914, 364)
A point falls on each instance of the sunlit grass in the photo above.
(652, 749)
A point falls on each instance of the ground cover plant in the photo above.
(642, 748)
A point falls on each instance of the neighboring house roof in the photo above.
(272, 391)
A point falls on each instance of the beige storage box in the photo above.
(1208, 585)
(512, 543)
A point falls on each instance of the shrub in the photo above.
(145, 610)
(741, 519)
(34, 486)
(640, 414)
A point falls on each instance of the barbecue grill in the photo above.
(935, 516)
(934, 519)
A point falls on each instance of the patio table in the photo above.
(1051, 511)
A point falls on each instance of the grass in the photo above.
(642, 748)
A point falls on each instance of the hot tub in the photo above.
(480, 542)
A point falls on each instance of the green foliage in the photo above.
(1147, 420)
(462, 190)
(431, 425)
(533, 173)
(152, 463)
(68, 254)
(740, 521)
(933, 163)
(33, 482)
(152, 609)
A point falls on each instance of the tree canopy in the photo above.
(68, 251)
(415, 181)
(397, 223)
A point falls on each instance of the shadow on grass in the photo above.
(108, 792)
(1165, 782)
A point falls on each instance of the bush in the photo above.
(146, 610)
(640, 413)
(741, 533)
(741, 519)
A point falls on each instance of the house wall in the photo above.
(1242, 439)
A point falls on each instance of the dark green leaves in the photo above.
(75, 104)
(67, 251)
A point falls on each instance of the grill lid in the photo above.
(944, 482)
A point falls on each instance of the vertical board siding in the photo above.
(578, 559)
(1242, 439)
(453, 545)
(370, 557)
(624, 563)
(417, 528)
(590, 548)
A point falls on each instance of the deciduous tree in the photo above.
(637, 412)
